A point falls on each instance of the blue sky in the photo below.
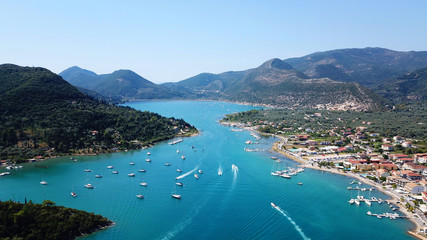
(168, 41)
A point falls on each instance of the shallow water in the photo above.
(235, 205)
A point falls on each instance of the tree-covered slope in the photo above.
(46, 221)
(411, 87)
(367, 66)
(41, 114)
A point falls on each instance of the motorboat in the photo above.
(142, 170)
(148, 160)
(196, 176)
(148, 153)
(131, 163)
(73, 194)
(43, 183)
(300, 184)
(183, 157)
(200, 171)
(178, 170)
(88, 170)
(89, 186)
(98, 176)
(110, 167)
(179, 184)
(140, 196)
(273, 205)
(115, 172)
(144, 184)
(167, 164)
(131, 175)
(177, 196)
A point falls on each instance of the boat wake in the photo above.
(235, 170)
(187, 173)
(299, 230)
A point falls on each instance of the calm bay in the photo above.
(235, 205)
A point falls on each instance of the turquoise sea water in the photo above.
(235, 205)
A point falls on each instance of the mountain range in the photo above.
(346, 79)
(42, 114)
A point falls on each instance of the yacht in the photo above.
(43, 183)
(131, 175)
(98, 176)
(73, 194)
(144, 184)
(196, 176)
(139, 196)
(284, 175)
(89, 186)
(115, 172)
(177, 196)
(180, 184)
(142, 170)
(374, 199)
(349, 188)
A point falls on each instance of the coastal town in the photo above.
(396, 166)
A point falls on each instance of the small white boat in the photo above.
(43, 183)
(368, 202)
(167, 164)
(148, 160)
(196, 176)
(220, 172)
(131, 163)
(177, 151)
(98, 176)
(177, 196)
(274, 158)
(148, 153)
(144, 184)
(273, 205)
(88, 170)
(115, 172)
(200, 171)
(131, 175)
(274, 174)
(139, 196)
(89, 186)
(284, 175)
(356, 201)
(351, 201)
(300, 184)
(110, 167)
(179, 184)
(142, 170)
(73, 194)
(178, 170)
(369, 213)
(183, 157)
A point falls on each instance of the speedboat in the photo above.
(144, 184)
(183, 157)
(177, 196)
(299, 183)
(98, 176)
(369, 213)
(115, 172)
(131, 163)
(43, 183)
(180, 184)
(148, 160)
(273, 205)
(110, 167)
(351, 201)
(142, 170)
(200, 171)
(139, 196)
(88, 170)
(131, 175)
(167, 164)
(178, 170)
(73, 194)
(89, 186)
(284, 175)
(196, 176)
(148, 153)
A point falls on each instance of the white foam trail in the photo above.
(235, 170)
(187, 173)
(220, 170)
(299, 230)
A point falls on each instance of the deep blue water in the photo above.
(235, 205)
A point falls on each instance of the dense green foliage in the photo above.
(41, 114)
(122, 84)
(404, 121)
(46, 221)
(367, 66)
(408, 88)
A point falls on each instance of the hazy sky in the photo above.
(167, 41)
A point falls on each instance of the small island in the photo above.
(46, 221)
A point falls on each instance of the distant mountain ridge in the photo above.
(122, 84)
